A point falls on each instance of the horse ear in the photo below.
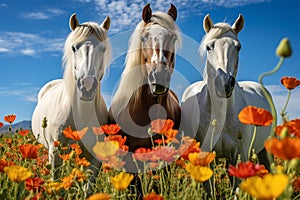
(73, 22)
(207, 23)
(173, 12)
(238, 24)
(106, 23)
(147, 13)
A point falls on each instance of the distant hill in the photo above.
(26, 124)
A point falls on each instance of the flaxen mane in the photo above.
(132, 78)
(78, 35)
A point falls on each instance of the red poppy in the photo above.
(29, 150)
(167, 154)
(4, 163)
(1, 124)
(245, 170)
(74, 135)
(296, 184)
(255, 116)
(10, 118)
(98, 130)
(287, 148)
(56, 143)
(161, 126)
(34, 184)
(290, 82)
(142, 154)
(295, 126)
(111, 129)
(23, 132)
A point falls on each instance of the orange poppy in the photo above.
(188, 146)
(67, 156)
(10, 118)
(201, 158)
(29, 150)
(153, 196)
(1, 124)
(287, 148)
(82, 162)
(74, 135)
(99, 196)
(295, 126)
(255, 116)
(34, 184)
(161, 126)
(4, 163)
(23, 132)
(246, 170)
(117, 138)
(67, 182)
(290, 82)
(111, 129)
(171, 136)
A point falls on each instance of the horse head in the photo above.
(88, 49)
(158, 51)
(222, 50)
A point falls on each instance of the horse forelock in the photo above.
(132, 77)
(81, 33)
(217, 31)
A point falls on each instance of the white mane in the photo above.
(218, 30)
(132, 77)
(78, 35)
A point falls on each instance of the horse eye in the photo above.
(74, 48)
(210, 46)
(238, 48)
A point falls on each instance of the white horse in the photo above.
(219, 96)
(75, 100)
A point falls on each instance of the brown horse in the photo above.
(143, 94)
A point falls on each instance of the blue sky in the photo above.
(32, 35)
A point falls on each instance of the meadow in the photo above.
(25, 171)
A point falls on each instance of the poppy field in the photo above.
(174, 168)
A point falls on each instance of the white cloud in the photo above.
(19, 43)
(43, 15)
(35, 15)
(279, 95)
(126, 14)
(26, 93)
(3, 5)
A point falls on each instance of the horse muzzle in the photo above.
(159, 81)
(224, 84)
(87, 86)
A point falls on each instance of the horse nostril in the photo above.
(231, 81)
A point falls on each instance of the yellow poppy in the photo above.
(17, 173)
(268, 187)
(99, 196)
(104, 150)
(199, 173)
(121, 181)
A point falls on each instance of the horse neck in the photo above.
(85, 112)
(225, 107)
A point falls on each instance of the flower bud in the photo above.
(284, 48)
(44, 122)
(214, 123)
(284, 133)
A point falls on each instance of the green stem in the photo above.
(285, 106)
(267, 95)
(252, 141)
(212, 137)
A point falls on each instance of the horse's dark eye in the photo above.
(210, 47)
(74, 49)
(238, 48)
